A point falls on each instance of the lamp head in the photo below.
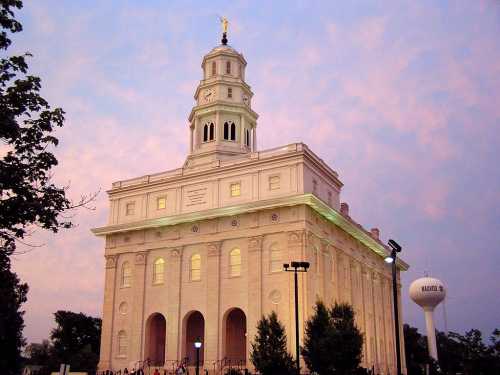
(197, 343)
(295, 264)
(389, 259)
(285, 266)
(305, 265)
(394, 246)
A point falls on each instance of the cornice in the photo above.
(307, 199)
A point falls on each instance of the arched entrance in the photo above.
(194, 328)
(235, 343)
(156, 328)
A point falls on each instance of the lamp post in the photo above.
(391, 259)
(197, 345)
(296, 267)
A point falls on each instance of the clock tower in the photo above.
(222, 122)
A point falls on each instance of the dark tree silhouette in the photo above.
(269, 353)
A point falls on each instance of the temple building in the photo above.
(197, 252)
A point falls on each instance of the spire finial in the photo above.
(224, 23)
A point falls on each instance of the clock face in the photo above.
(245, 99)
(208, 95)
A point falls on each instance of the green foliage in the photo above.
(27, 121)
(13, 294)
(332, 342)
(76, 340)
(467, 354)
(269, 353)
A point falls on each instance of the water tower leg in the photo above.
(431, 333)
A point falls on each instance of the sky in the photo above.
(402, 98)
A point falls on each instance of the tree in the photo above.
(332, 343)
(269, 353)
(417, 355)
(12, 295)
(76, 340)
(28, 198)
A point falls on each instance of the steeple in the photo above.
(222, 122)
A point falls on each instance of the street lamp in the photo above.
(197, 345)
(296, 267)
(391, 259)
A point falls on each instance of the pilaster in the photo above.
(136, 338)
(213, 344)
(174, 278)
(108, 313)
(255, 290)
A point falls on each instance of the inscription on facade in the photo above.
(196, 196)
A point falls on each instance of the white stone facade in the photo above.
(198, 251)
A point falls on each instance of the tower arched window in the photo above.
(212, 131)
(275, 258)
(195, 267)
(228, 67)
(214, 68)
(226, 131)
(122, 344)
(205, 133)
(159, 271)
(247, 138)
(233, 132)
(235, 262)
(126, 276)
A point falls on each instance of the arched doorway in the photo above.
(235, 345)
(194, 328)
(156, 328)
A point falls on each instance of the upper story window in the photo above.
(230, 131)
(235, 189)
(159, 271)
(247, 138)
(235, 262)
(122, 343)
(229, 92)
(214, 68)
(329, 198)
(161, 203)
(274, 182)
(212, 131)
(130, 209)
(195, 267)
(233, 132)
(275, 262)
(208, 132)
(315, 186)
(126, 279)
(228, 67)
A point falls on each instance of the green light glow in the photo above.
(307, 199)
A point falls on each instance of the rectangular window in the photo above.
(214, 68)
(229, 92)
(235, 189)
(228, 67)
(161, 203)
(130, 209)
(274, 182)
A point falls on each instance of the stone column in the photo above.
(254, 142)
(254, 255)
(138, 284)
(196, 139)
(218, 128)
(174, 329)
(191, 140)
(364, 307)
(108, 313)
(212, 345)
(242, 132)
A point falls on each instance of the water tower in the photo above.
(428, 292)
